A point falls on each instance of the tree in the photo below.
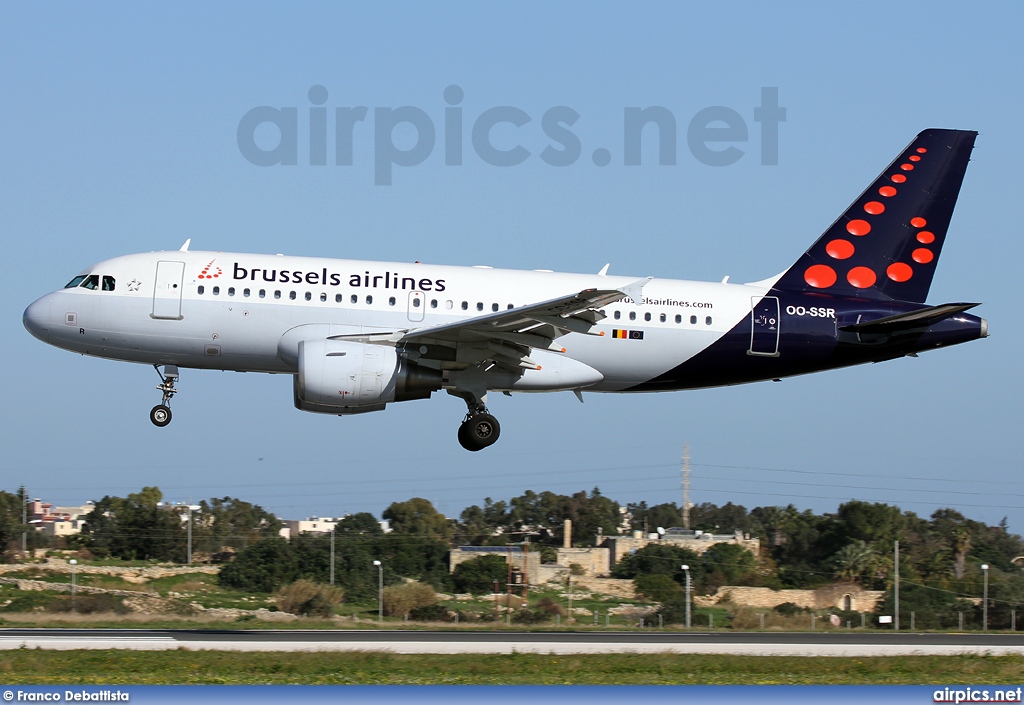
(853, 560)
(659, 587)
(404, 598)
(663, 559)
(418, 517)
(264, 566)
(478, 575)
(232, 522)
(359, 523)
(730, 564)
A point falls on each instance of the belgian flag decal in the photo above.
(627, 334)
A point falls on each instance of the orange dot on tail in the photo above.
(840, 249)
(858, 227)
(820, 276)
(918, 222)
(914, 158)
(907, 167)
(861, 277)
(926, 237)
(898, 178)
(921, 150)
(887, 191)
(923, 255)
(899, 271)
(874, 207)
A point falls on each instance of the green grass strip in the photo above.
(110, 667)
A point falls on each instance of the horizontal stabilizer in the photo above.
(922, 318)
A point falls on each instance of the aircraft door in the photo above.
(167, 290)
(417, 304)
(764, 326)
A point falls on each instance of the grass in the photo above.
(211, 667)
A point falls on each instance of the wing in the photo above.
(504, 337)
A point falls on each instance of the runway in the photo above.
(472, 642)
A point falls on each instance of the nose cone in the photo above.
(37, 319)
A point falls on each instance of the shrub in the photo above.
(262, 567)
(674, 612)
(89, 604)
(659, 587)
(400, 600)
(478, 575)
(527, 616)
(577, 569)
(430, 613)
(788, 609)
(547, 605)
(309, 599)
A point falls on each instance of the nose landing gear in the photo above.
(160, 414)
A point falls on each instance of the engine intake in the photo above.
(340, 377)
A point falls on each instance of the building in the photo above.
(697, 541)
(318, 525)
(50, 520)
(527, 562)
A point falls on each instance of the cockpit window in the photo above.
(75, 282)
(91, 282)
(108, 283)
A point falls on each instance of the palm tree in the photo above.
(853, 560)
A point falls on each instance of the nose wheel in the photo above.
(160, 414)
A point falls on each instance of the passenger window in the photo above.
(707, 320)
(323, 297)
(632, 315)
(263, 293)
(245, 293)
(201, 289)
(291, 295)
(465, 305)
(108, 283)
(91, 282)
(369, 299)
(448, 304)
(277, 294)
(510, 306)
(479, 306)
(354, 299)
(216, 291)
(231, 291)
(693, 320)
(416, 303)
(337, 298)
(309, 296)
(679, 319)
(391, 301)
(433, 303)
(647, 317)
(663, 318)
(75, 282)
(617, 315)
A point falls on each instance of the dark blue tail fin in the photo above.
(887, 243)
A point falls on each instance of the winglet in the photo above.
(604, 270)
(184, 248)
(635, 291)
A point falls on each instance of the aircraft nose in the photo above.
(37, 319)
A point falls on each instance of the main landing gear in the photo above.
(478, 430)
(160, 414)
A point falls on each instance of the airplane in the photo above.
(359, 335)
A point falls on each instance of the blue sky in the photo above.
(120, 135)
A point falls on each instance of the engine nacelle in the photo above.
(340, 377)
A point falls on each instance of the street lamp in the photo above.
(73, 563)
(380, 591)
(686, 569)
(984, 602)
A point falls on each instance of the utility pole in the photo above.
(24, 521)
(686, 486)
(896, 592)
(332, 555)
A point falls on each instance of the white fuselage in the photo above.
(231, 311)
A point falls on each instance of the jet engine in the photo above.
(340, 377)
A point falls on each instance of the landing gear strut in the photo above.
(160, 414)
